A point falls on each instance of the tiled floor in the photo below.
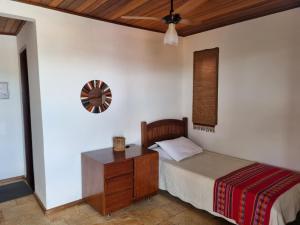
(159, 210)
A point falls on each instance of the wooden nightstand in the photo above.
(113, 180)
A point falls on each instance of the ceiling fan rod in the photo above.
(172, 7)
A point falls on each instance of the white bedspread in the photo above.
(192, 180)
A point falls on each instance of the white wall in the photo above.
(26, 39)
(143, 74)
(12, 162)
(259, 94)
(259, 105)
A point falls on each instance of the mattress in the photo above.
(192, 180)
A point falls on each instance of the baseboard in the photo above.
(11, 180)
(62, 207)
(58, 208)
(46, 211)
(39, 202)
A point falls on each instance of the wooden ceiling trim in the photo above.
(250, 13)
(94, 6)
(43, 1)
(9, 26)
(85, 5)
(65, 4)
(87, 16)
(107, 7)
(189, 6)
(204, 14)
(14, 26)
(154, 8)
(74, 5)
(55, 3)
(21, 24)
(2, 23)
(127, 8)
(226, 9)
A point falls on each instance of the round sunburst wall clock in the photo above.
(96, 96)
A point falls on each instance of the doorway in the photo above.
(26, 119)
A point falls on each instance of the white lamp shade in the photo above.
(171, 37)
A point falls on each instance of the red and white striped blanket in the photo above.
(247, 195)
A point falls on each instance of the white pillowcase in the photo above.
(162, 154)
(180, 148)
(153, 146)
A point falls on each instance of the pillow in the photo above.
(153, 146)
(162, 154)
(180, 148)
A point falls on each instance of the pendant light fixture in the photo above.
(171, 36)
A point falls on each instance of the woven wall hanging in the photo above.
(205, 89)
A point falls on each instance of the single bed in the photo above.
(192, 180)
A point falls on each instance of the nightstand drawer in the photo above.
(118, 200)
(118, 168)
(117, 184)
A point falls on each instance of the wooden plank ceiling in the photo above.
(205, 14)
(10, 26)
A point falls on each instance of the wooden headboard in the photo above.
(163, 130)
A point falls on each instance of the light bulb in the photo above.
(171, 37)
